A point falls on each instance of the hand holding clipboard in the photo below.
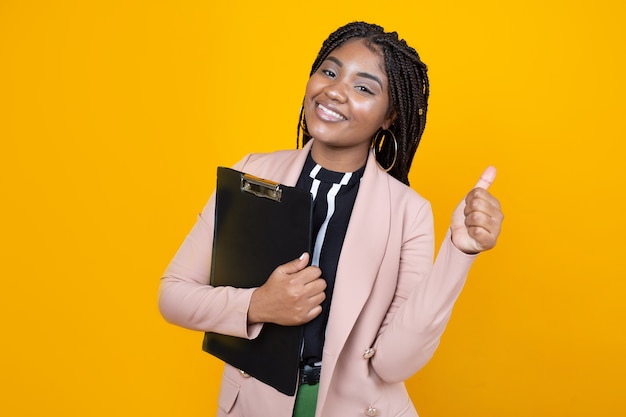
(292, 295)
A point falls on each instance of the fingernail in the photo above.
(302, 256)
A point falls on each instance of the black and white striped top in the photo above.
(333, 194)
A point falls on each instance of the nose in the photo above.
(336, 92)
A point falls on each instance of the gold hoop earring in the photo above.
(377, 142)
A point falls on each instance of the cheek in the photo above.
(312, 86)
(371, 113)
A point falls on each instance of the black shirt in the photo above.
(333, 194)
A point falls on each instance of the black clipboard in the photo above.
(259, 225)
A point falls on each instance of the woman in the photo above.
(372, 302)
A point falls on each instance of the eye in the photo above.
(364, 89)
(329, 73)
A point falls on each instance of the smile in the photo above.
(330, 115)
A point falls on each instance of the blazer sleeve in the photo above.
(425, 295)
(185, 296)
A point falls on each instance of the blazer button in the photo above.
(244, 373)
(369, 352)
(371, 411)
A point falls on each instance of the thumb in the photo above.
(296, 265)
(487, 178)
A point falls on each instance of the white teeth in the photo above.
(330, 112)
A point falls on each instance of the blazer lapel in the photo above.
(361, 255)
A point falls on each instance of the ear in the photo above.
(389, 119)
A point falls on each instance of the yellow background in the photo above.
(114, 115)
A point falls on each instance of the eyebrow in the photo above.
(360, 74)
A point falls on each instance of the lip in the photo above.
(329, 113)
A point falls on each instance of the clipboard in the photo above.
(259, 225)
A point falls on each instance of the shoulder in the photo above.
(272, 157)
(262, 163)
(383, 183)
(379, 188)
(282, 166)
(399, 191)
(411, 209)
(411, 213)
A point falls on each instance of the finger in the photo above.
(483, 238)
(479, 199)
(314, 284)
(314, 312)
(483, 229)
(317, 298)
(481, 220)
(487, 178)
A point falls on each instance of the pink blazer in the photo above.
(390, 305)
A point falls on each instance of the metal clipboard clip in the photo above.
(261, 187)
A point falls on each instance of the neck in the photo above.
(339, 159)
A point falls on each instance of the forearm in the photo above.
(206, 308)
(185, 296)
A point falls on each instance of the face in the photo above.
(347, 98)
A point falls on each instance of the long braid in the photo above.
(408, 89)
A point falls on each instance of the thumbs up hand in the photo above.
(477, 219)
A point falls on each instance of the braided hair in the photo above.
(408, 89)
